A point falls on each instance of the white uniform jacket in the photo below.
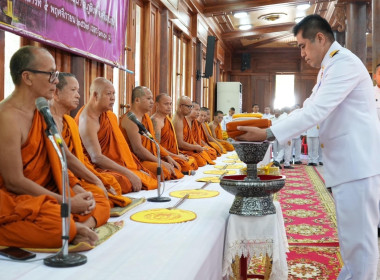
(342, 104)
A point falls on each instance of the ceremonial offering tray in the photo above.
(253, 193)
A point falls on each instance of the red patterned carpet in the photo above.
(310, 222)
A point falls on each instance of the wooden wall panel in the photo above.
(4, 67)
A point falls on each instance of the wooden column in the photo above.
(146, 48)
(78, 69)
(340, 37)
(2, 59)
(164, 53)
(356, 29)
(375, 34)
(198, 68)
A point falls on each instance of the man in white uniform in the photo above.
(228, 118)
(376, 88)
(342, 104)
(312, 135)
(267, 114)
(297, 143)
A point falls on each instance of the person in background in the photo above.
(255, 108)
(312, 135)
(297, 143)
(228, 118)
(342, 104)
(267, 114)
(376, 88)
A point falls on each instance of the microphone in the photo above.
(142, 128)
(43, 107)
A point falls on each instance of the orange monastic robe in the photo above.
(219, 150)
(196, 130)
(219, 135)
(35, 221)
(169, 142)
(202, 158)
(151, 147)
(115, 147)
(70, 134)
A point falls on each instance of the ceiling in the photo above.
(271, 20)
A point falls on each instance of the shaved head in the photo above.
(98, 85)
(139, 92)
(160, 96)
(183, 100)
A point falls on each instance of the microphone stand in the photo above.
(159, 198)
(63, 258)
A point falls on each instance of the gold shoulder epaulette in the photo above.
(334, 53)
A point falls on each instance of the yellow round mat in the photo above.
(209, 179)
(220, 172)
(197, 193)
(233, 157)
(232, 161)
(163, 216)
(231, 166)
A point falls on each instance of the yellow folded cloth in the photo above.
(247, 115)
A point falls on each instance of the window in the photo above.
(138, 47)
(284, 95)
(12, 44)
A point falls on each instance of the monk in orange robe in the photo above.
(104, 142)
(30, 170)
(217, 132)
(196, 131)
(145, 149)
(66, 98)
(165, 134)
(186, 142)
(206, 132)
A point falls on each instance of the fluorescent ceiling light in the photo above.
(303, 7)
(245, 26)
(240, 14)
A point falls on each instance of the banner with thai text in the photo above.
(92, 28)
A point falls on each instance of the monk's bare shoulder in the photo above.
(15, 123)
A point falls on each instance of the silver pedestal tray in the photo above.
(253, 194)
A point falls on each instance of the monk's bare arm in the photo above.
(212, 128)
(88, 130)
(138, 148)
(11, 166)
(209, 137)
(158, 124)
(182, 144)
(81, 171)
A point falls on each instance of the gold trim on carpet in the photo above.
(324, 195)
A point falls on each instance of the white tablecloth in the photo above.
(254, 236)
(192, 250)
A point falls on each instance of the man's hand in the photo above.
(135, 181)
(168, 166)
(253, 134)
(82, 203)
(170, 160)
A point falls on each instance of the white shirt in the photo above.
(376, 89)
(267, 116)
(342, 104)
(313, 132)
(225, 121)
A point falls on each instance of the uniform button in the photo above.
(322, 146)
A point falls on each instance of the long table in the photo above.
(191, 250)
